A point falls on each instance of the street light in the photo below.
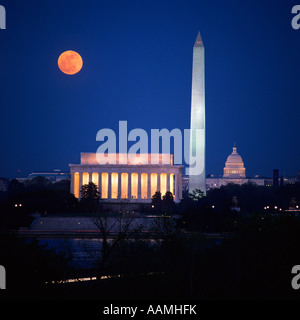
(18, 205)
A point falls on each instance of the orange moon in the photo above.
(70, 62)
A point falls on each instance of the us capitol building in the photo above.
(233, 172)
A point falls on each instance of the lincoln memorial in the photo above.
(123, 178)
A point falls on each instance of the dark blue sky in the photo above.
(137, 59)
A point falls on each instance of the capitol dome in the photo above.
(234, 166)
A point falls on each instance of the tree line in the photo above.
(211, 213)
(254, 261)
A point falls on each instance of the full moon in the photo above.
(70, 62)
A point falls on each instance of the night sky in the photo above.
(137, 66)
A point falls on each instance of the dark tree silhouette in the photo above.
(90, 191)
(90, 197)
(156, 201)
(168, 204)
(15, 188)
(37, 183)
(107, 225)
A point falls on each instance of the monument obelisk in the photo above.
(197, 134)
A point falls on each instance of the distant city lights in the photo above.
(18, 205)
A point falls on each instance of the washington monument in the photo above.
(197, 138)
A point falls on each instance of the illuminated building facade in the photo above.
(234, 172)
(197, 139)
(128, 180)
(234, 166)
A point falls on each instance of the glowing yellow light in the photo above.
(124, 185)
(134, 185)
(172, 183)
(144, 181)
(76, 184)
(153, 183)
(85, 178)
(95, 178)
(104, 185)
(163, 183)
(114, 185)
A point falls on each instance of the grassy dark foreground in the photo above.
(254, 263)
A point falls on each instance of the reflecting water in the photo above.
(83, 253)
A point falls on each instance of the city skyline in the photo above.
(134, 164)
(251, 89)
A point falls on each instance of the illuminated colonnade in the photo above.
(134, 182)
(123, 185)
